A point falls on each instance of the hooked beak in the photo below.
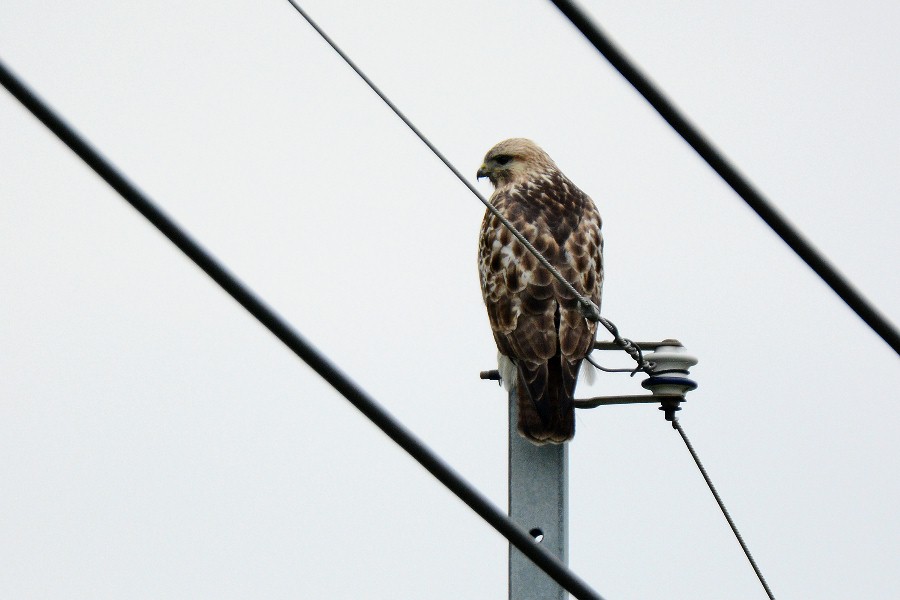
(482, 172)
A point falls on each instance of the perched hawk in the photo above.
(541, 336)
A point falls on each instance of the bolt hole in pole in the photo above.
(537, 534)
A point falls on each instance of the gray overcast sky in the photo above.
(158, 443)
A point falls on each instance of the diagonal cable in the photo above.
(588, 308)
(740, 184)
(677, 425)
(299, 346)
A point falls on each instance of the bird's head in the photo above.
(514, 159)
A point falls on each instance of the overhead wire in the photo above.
(748, 192)
(712, 488)
(426, 457)
(588, 308)
(738, 182)
(790, 235)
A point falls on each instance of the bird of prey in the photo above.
(541, 335)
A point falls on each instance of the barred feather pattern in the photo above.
(535, 321)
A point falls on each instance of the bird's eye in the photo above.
(503, 159)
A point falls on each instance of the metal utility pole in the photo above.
(539, 475)
(539, 503)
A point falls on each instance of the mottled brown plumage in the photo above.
(541, 336)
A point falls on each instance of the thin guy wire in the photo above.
(609, 370)
(740, 184)
(605, 369)
(303, 349)
(712, 488)
(588, 308)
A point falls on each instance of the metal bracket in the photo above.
(668, 377)
(639, 399)
(538, 475)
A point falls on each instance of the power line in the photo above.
(677, 425)
(298, 345)
(740, 184)
(588, 308)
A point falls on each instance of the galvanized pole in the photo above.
(539, 502)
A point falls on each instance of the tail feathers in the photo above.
(545, 403)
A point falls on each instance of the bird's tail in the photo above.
(545, 403)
